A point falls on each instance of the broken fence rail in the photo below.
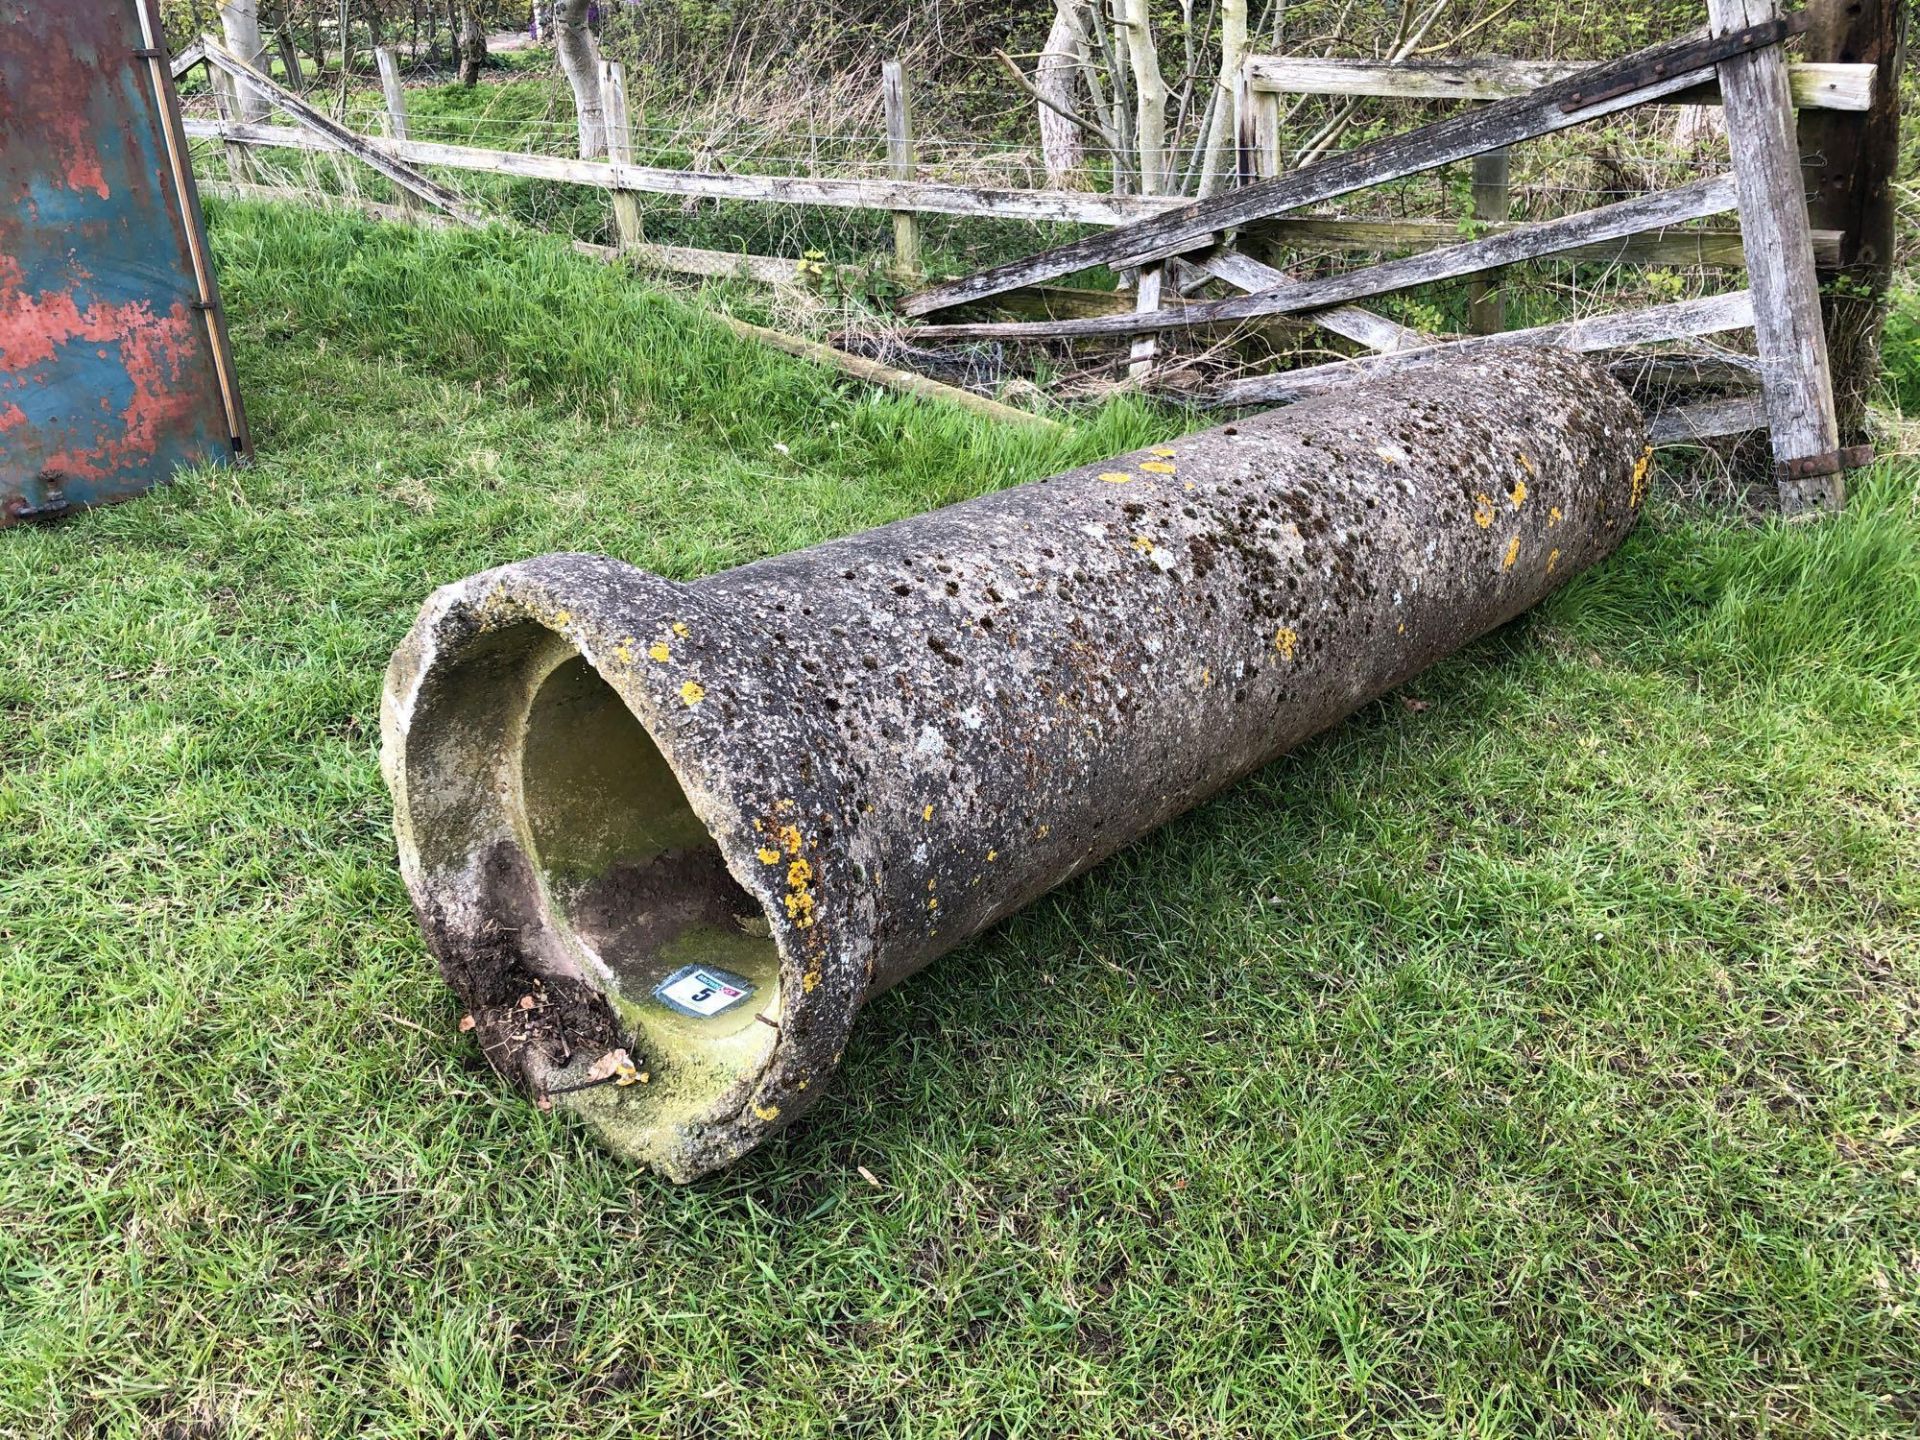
(1650, 74)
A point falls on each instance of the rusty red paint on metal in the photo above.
(109, 371)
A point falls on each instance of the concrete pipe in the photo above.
(665, 839)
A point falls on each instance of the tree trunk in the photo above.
(240, 23)
(1849, 162)
(580, 62)
(1060, 142)
(1150, 98)
(473, 46)
(290, 58)
(346, 39)
(1698, 127)
(1224, 134)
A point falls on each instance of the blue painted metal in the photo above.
(114, 371)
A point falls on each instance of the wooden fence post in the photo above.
(1243, 140)
(1778, 240)
(1266, 134)
(1257, 127)
(396, 97)
(900, 164)
(628, 229)
(1486, 309)
(1849, 161)
(1148, 282)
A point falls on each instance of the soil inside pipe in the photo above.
(620, 871)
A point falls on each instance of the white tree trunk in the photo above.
(240, 23)
(1225, 131)
(1060, 143)
(1149, 94)
(580, 61)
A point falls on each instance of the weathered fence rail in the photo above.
(924, 197)
(919, 197)
(1524, 242)
(1814, 86)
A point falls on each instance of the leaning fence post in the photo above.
(1486, 309)
(396, 97)
(900, 164)
(628, 231)
(1778, 241)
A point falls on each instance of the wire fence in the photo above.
(840, 136)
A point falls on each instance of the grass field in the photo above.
(1537, 1053)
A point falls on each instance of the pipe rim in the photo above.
(515, 606)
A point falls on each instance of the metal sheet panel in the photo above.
(113, 364)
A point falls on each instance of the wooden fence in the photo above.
(1841, 87)
(1739, 64)
(1741, 54)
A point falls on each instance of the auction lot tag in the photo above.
(702, 991)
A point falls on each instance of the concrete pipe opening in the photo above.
(618, 799)
(632, 879)
(610, 959)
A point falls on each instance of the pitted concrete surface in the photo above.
(893, 740)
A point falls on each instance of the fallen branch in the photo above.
(875, 373)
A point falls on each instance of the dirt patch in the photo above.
(529, 1022)
(647, 905)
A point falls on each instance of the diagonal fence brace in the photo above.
(363, 150)
(1686, 62)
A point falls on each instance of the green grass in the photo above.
(1536, 1053)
